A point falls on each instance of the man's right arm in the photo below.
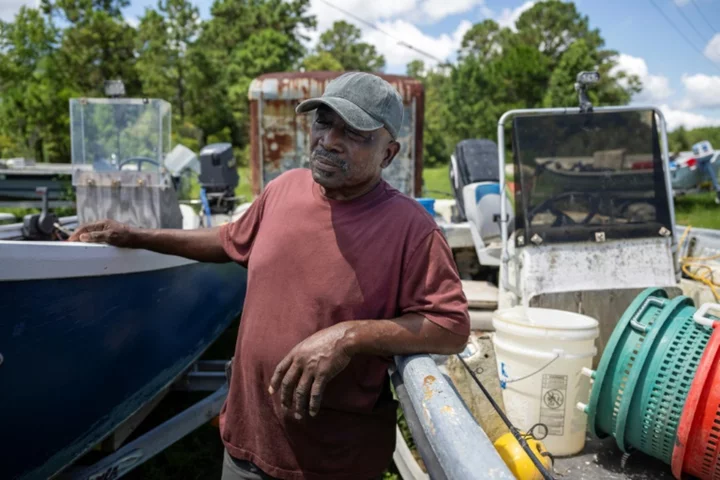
(203, 244)
(230, 242)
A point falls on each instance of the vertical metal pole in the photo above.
(261, 169)
(504, 259)
(665, 151)
(413, 159)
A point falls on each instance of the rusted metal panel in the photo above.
(303, 85)
(280, 139)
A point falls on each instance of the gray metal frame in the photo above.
(202, 376)
(449, 439)
(531, 112)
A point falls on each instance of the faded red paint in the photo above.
(279, 133)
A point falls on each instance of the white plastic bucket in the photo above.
(540, 354)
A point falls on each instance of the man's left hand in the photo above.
(302, 375)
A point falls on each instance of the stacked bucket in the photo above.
(657, 386)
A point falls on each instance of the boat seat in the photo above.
(482, 208)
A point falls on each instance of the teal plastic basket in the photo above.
(645, 374)
(622, 355)
(652, 415)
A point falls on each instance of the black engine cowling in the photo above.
(474, 160)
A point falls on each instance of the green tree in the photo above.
(342, 42)
(415, 69)
(242, 39)
(436, 145)
(499, 69)
(552, 26)
(484, 41)
(33, 94)
(98, 45)
(164, 37)
(682, 139)
(321, 61)
(579, 57)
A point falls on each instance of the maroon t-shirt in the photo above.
(314, 262)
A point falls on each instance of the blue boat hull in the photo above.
(80, 355)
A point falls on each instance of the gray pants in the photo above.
(241, 470)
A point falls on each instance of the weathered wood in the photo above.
(480, 295)
(484, 365)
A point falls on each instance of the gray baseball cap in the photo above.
(364, 101)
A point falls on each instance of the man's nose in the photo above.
(331, 140)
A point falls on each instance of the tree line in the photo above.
(203, 67)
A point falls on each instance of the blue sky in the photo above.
(683, 79)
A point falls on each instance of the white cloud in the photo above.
(397, 18)
(369, 10)
(655, 87)
(677, 118)
(712, 50)
(508, 17)
(398, 56)
(701, 91)
(9, 8)
(437, 10)
(132, 21)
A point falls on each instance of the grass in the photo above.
(698, 210)
(437, 183)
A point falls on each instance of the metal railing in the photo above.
(450, 441)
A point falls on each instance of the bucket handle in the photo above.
(557, 353)
(700, 315)
(639, 327)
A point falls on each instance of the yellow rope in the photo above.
(688, 262)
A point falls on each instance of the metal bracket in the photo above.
(155, 441)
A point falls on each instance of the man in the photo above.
(343, 273)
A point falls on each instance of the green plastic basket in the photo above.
(651, 417)
(645, 374)
(623, 354)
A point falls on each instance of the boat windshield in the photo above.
(588, 177)
(112, 134)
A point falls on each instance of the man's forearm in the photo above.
(406, 335)
(201, 244)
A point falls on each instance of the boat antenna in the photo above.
(582, 81)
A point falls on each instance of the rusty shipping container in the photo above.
(280, 139)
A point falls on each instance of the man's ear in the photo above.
(391, 151)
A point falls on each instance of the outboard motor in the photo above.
(475, 181)
(218, 178)
(40, 226)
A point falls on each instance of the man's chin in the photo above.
(326, 179)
